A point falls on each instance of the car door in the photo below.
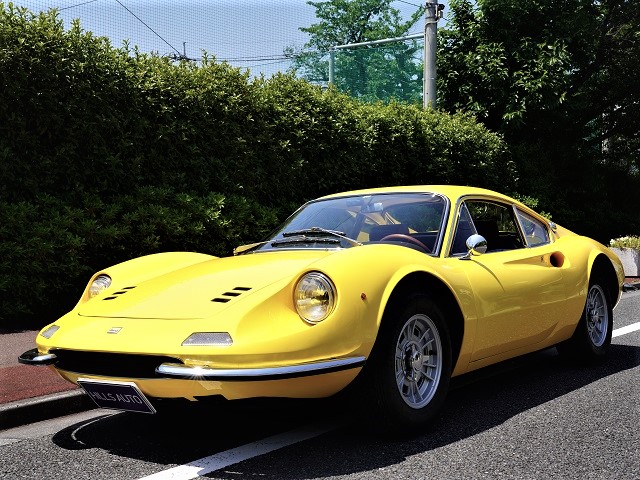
(517, 284)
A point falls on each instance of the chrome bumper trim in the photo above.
(33, 357)
(255, 374)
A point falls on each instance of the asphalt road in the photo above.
(535, 418)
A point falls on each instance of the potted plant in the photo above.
(628, 250)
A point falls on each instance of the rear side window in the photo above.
(535, 232)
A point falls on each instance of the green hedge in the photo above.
(49, 249)
(107, 154)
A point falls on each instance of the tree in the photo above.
(557, 79)
(367, 73)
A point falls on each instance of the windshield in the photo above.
(410, 219)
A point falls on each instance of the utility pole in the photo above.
(433, 14)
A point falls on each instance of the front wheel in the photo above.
(592, 337)
(410, 367)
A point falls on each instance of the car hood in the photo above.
(201, 290)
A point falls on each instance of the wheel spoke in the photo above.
(415, 393)
(418, 361)
(400, 378)
(597, 316)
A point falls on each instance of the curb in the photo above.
(22, 412)
(630, 287)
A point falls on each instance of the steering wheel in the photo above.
(406, 238)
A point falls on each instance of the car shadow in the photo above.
(477, 402)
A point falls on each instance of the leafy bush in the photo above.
(629, 241)
(107, 154)
(330, 142)
(48, 249)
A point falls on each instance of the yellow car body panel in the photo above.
(510, 302)
(320, 386)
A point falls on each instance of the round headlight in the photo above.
(100, 284)
(314, 297)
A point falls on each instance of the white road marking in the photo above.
(624, 330)
(220, 460)
(224, 459)
(47, 427)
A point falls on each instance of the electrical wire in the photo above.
(179, 55)
(409, 3)
(271, 59)
(266, 64)
(77, 5)
(260, 58)
(155, 33)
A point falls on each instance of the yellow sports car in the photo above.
(390, 291)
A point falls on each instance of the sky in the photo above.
(246, 33)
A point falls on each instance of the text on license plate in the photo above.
(116, 395)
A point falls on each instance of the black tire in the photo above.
(407, 376)
(592, 338)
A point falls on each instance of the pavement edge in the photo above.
(22, 412)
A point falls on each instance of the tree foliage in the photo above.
(108, 154)
(367, 73)
(557, 78)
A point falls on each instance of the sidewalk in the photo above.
(32, 393)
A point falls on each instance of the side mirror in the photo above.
(477, 245)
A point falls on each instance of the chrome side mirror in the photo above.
(476, 245)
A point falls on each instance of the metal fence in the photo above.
(380, 70)
(250, 37)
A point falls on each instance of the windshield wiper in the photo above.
(308, 235)
(305, 239)
(313, 231)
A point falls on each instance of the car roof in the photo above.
(453, 192)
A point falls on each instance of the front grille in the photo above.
(123, 365)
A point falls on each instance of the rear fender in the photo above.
(605, 265)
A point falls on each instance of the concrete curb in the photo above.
(22, 412)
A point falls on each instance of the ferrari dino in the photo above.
(390, 292)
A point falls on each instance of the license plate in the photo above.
(116, 395)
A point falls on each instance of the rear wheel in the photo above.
(592, 337)
(408, 374)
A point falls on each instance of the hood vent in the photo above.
(115, 295)
(227, 296)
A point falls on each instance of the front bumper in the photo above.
(172, 380)
(34, 357)
(253, 374)
(190, 372)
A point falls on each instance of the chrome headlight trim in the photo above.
(99, 285)
(314, 297)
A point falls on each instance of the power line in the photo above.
(267, 64)
(77, 5)
(409, 3)
(156, 33)
(271, 59)
(178, 56)
(266, 58)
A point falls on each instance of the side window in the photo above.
(464, 229)
(497, 223)
(535, 231)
